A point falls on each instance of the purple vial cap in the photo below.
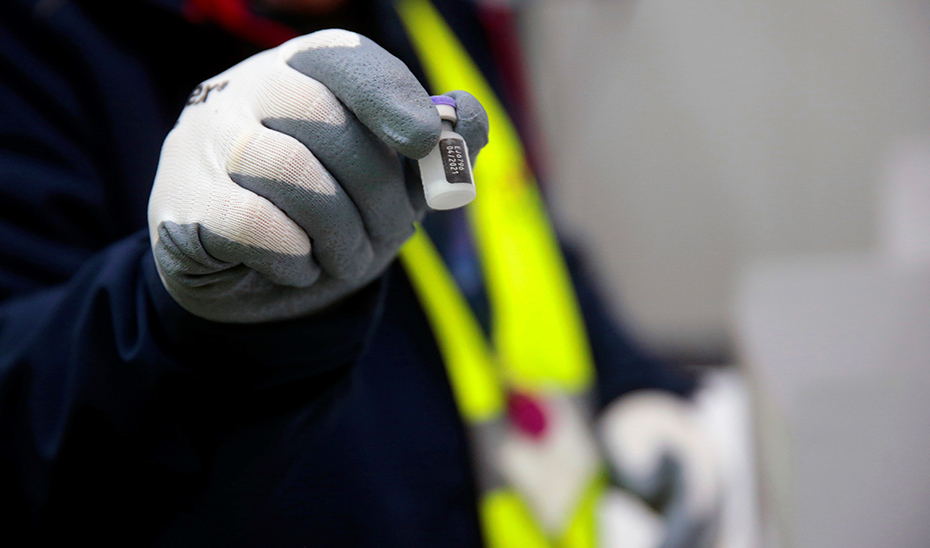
(443, 100)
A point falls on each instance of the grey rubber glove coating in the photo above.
(286, 185)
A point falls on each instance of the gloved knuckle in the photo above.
(265, 155)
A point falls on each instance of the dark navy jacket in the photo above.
(124, 419)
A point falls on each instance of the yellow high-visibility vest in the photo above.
(539, 345)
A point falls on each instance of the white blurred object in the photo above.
(657, 448)
(838, 349)
(625, 521)
(552, 472)
(722, 411)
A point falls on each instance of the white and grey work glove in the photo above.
(658, 451)
(286, 183)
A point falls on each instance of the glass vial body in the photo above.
(448, 182)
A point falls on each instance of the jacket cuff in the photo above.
(266, 354)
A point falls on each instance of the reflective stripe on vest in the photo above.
(527, 280)
(539, 345)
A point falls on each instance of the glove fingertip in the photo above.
(473, 123)
(376, 86)
(414, 133)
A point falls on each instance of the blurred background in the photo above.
(752, 179)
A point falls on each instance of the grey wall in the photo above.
(688, 137)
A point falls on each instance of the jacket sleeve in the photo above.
(108, 389)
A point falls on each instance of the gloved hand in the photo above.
(660, 453)
(287, 184)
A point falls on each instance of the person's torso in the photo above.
(389, 466)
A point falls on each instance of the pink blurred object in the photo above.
(527, 414)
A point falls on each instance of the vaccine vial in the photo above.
(446, 171)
